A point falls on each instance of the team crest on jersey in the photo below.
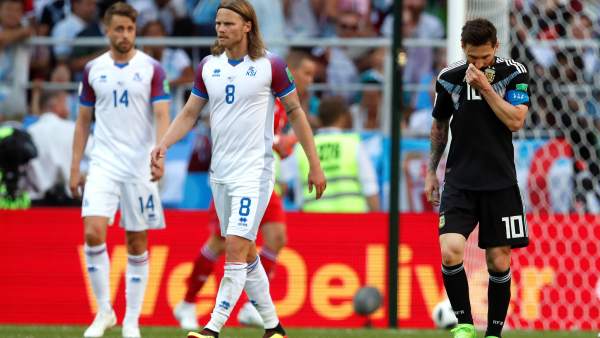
(490, 73)
(251, 71)
(216, 72)
(137, 77)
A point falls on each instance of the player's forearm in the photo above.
(439, 139)
(512, 116)
(305, 136)
(82, 132)
(182, 124)
(12, 36)
(161, 113)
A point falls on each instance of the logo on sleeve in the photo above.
(166, 86)
(442, 221)
(289, 74)
(522, 86)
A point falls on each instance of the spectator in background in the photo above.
(341, 69)
(351, 175)
(303, 69)
(14, 59)
(271, 23)
(81, 55)
(52, 135)
(367, 112)
(175, 62)
(169, 12)
(417, 25)
(83, 13)
(302, 17)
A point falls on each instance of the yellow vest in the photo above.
(338, 155)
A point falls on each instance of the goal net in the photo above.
(557, 156)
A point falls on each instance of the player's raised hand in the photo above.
(432, 188)
(76, 184)
(157, 162)
(316, 178)
(476, 78)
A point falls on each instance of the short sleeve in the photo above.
(87, 96)
(160, 90)
(442, 106)
(199, 88)
(282, 81)
(517, 91)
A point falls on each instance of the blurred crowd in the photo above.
(565, 77)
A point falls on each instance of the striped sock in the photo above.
(457, 288)
(98, 267)
(136, 279)
(498, 301)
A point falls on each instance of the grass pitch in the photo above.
(11, 331)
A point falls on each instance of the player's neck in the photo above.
(236, 52)
(122, 57)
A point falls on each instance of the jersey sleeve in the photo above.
(199, 88)
(159, 90)
(442, 107)
(87, 96)
(517, 90)
(282, 81)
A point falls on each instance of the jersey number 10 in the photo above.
(472, 93)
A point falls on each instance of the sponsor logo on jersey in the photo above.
(103, 78)
(137, 77)
(216, 72)
(251, 71)
(243, 221)
(490, 73)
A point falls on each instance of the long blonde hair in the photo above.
(256, 46)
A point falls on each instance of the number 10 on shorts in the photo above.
(516, 226)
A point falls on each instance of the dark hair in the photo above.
(153, 23)
(256, 46)
(295, 58)
(478, 32)
(331, 109)
(121, 9)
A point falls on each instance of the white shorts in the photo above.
(140, 204)
(241, 206)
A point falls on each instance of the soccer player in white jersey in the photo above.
(239, 82)
(127, 92)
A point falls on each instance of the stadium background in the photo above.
(556, 280)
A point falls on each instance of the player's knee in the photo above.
(136, 242)
(236, 249)
(499, 261)
(216, 244)
(276, 242)
(94, 235)
(452, 254)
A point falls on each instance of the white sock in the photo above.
(98, 267)
(136, 279)
(257, 289)
(230, 290)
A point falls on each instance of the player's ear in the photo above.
(247, 26)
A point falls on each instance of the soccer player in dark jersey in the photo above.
(488, 99)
